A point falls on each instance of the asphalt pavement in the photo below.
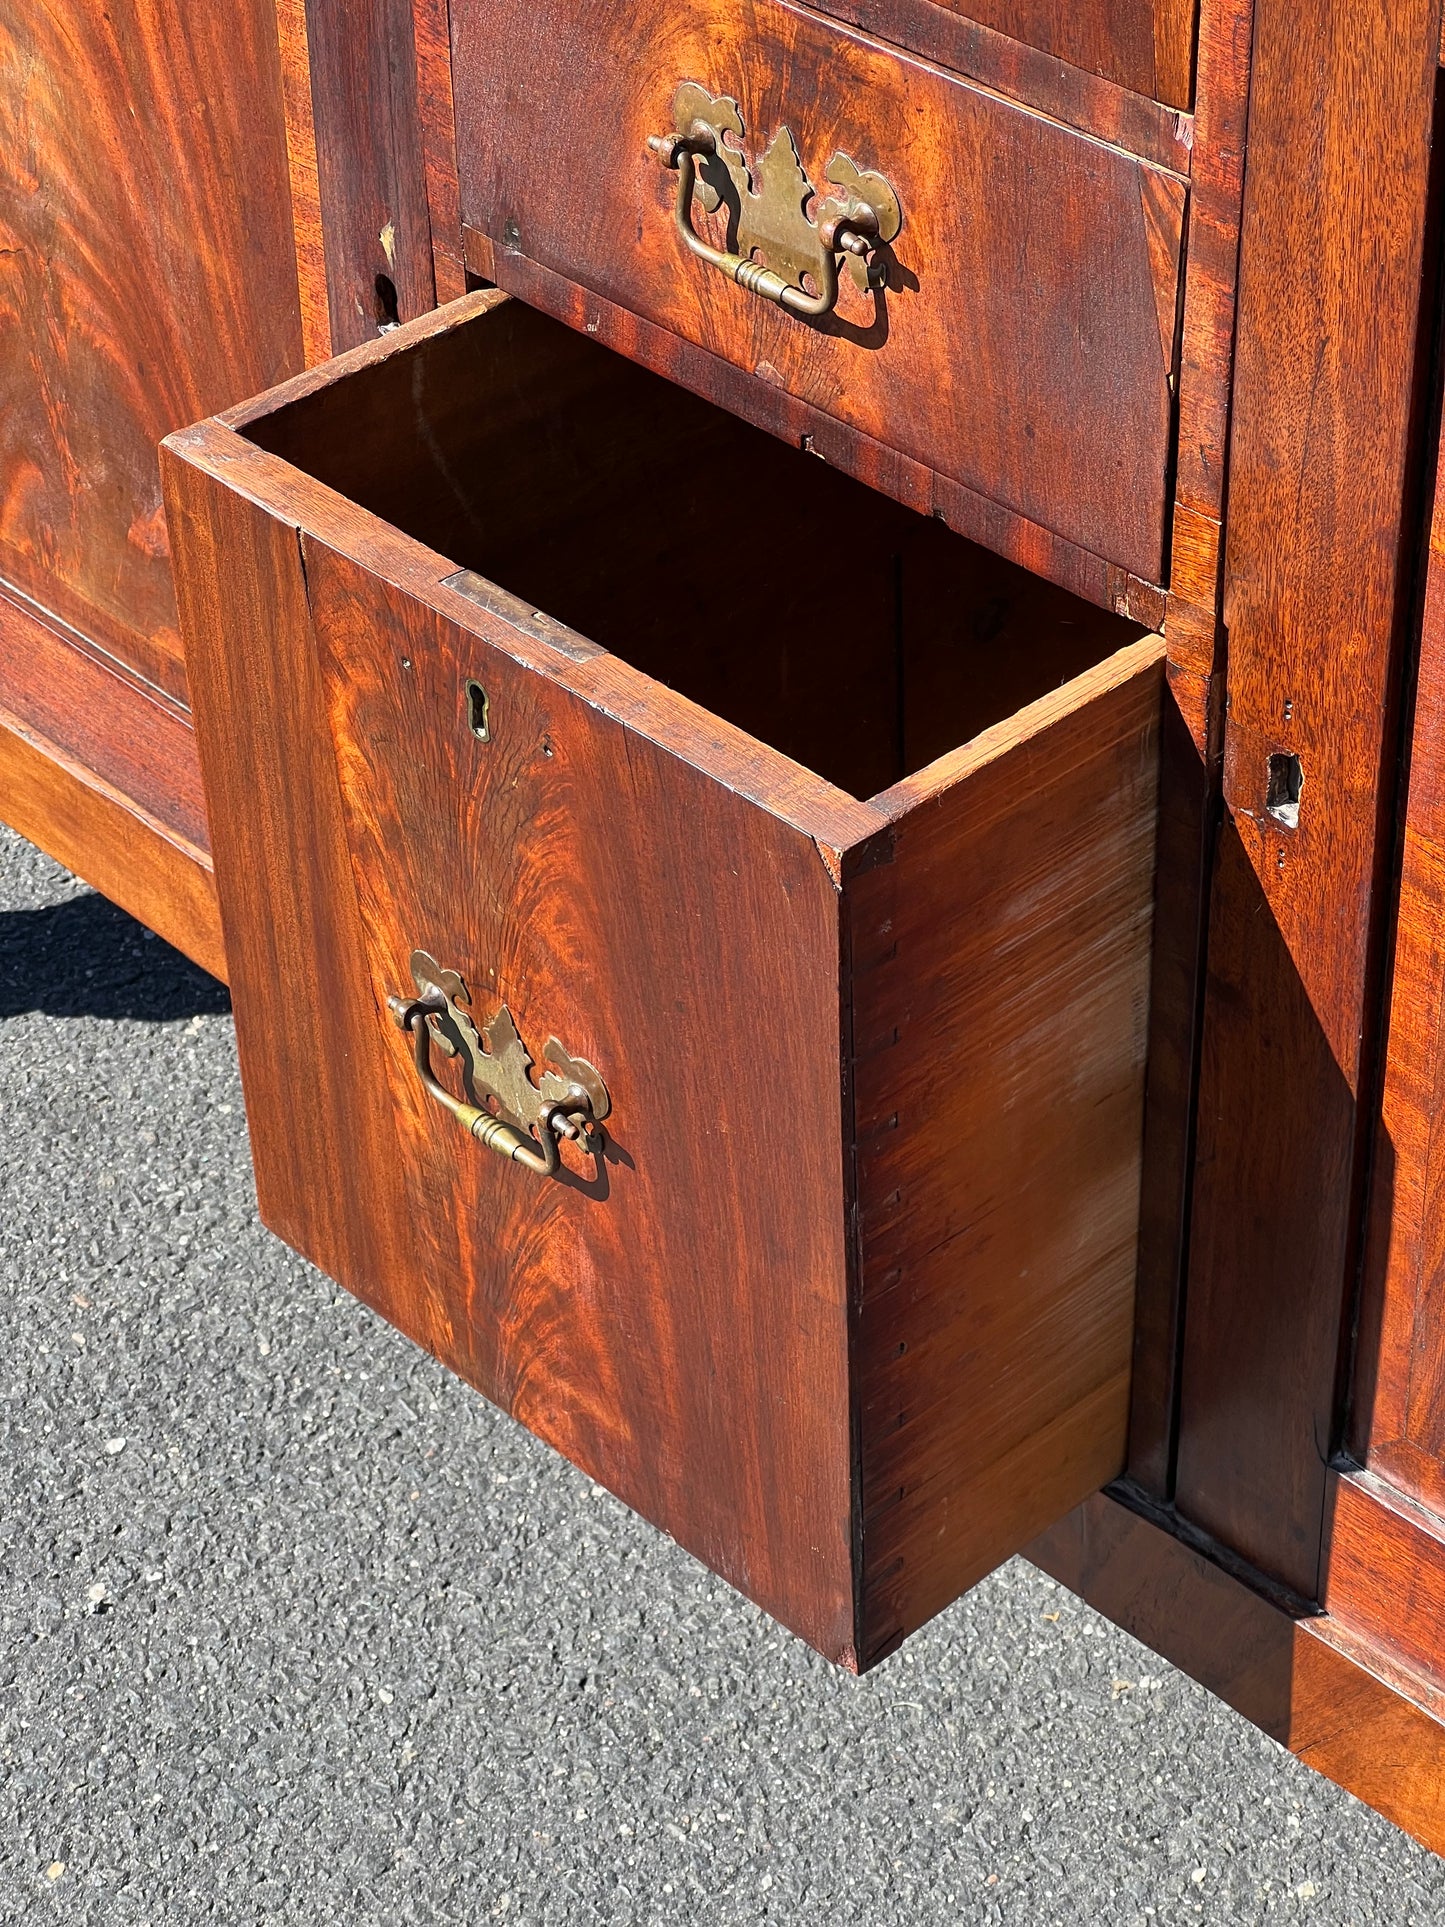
(294, 1627)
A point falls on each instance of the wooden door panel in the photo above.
(1322, 480)
(1397, 1413)
(150, 278)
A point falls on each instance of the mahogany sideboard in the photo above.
(793, 660)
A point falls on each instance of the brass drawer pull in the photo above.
(503, 1107)
(793, 250)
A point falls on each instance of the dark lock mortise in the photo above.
(503, 1108)
(1283, 785)
(797, 266)
(388, 312)
(478, 712)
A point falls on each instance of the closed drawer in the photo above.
(1022, 341)
(824, 837)
(1146, 46)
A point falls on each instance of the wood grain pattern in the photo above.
(1018, 347)
(900, 685)
(371, 165)
(1307, 1681)
(1000, 964)
(289, 914)
(675, 1321)
(1192, 733)
(612, 943)
(102, 835)
(1319, 506)
(101, 771)
(1208, 324)
(1397, 1417)
(671, 896)
(1188, 783)
(102, 717)
(1146, 46)
(938, 32)
(431, 21)
(883, 468)
(149, 279)
(1384, 1575)
(305, 183)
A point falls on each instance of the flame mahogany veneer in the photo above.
(874, 832)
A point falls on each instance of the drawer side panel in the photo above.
(288, 906)
(1001, 987)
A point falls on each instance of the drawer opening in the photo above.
(855, 636)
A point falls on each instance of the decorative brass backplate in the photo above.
(778, 250)
(503, 1108)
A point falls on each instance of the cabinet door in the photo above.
(150, 276)
(1384, 1570)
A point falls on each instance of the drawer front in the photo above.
(666, 930)
(841, 1297)
(1144, 45)
(1024, 342)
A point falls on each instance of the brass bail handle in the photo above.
(516, 1118)
(790, 249)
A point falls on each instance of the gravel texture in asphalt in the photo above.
(295, 1628)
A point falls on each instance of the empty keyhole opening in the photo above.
(388, 315)
(478, 721)
(1282, 789)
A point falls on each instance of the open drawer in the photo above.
(809, 843)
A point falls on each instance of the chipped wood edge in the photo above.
(301, 161)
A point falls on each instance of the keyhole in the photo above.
(478, 721)
(1283, 783)
(388, 315)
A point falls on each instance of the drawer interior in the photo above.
(856, 637)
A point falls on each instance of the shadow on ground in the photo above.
(83, 957)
